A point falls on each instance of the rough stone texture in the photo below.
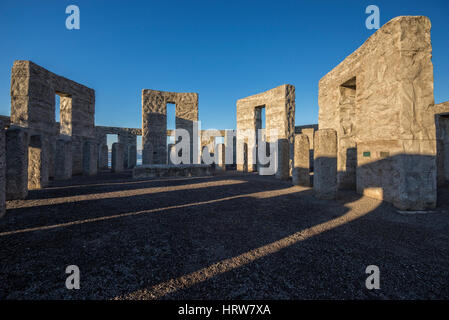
(282, 159)
(180, 170)
(221, 157)
(63, 158)
(132, 156)
(2, 170)
(230, 143)
(325, 158)
(90, 158)
(103, 156)
(37, 162)
(301, 161)
(380, 98)
(126, 136)
(154, 120)
(33, 91)
(279, 104)
(16, 163)
(442, 127)
(117, 157)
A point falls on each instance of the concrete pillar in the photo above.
(63, 159)
(2, 170)
(90, 166)
(147, 154)
(103, 156)
(230, 143)
(37, 162)
(301, 162)
(220, 157)
(282, 159)
(325, 164)
(16, 163)
(117, 157)
(132, 156)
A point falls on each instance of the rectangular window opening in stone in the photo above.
(139, 150)
(110, 139)
(171, 120)
(347, 157)
(260, 124)
(57, 108)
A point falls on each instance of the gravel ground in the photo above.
(229, 236)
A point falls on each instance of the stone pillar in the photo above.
(282, 159)
(301, 162)
(117, 157)
(132, 156)
(325, 164)
(103, 156)
(63, 159)
(147, 154)
(2, 170)
(90, 166)
(16, 164)
(220, 157)
(230, 143)
(37, 163)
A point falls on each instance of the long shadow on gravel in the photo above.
(204, 235)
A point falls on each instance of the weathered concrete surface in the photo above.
(63, 158)
(103, 154)
(279, 104)
(16, 163)
(132, 156)
(154, 120)
(301, 161)
(221, 157)
(117, 157)
(381, 97)
(282, 159)
(33, 91)
(90, 158)
(441, 111)
(180, 170)
(2, 170)
(325, 163)
(37, 162)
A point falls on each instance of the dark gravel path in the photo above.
(223, 237)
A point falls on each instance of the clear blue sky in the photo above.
(224, 50)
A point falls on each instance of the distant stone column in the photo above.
(37, 163)
(230, 143)
(221, 157)
(282, 159)
(63, 159)
(16, 164)
(103, 156)
(325, 164)
(90, 158)
(2, 170)
(147, 154)
(117, 157)
(301, 162)
(132, 156)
